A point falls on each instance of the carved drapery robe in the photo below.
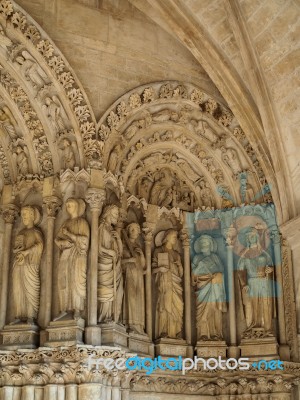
(73, 264)
(26, 273)
(259, 306)
(169, 308)
(210, 295)
(133, 264)
(110, 278)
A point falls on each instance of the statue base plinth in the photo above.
(256, 348)
(140, 344)
(65, 333)
(172, 347)
(20, 336)
(93, 335)
(113, 334)
(211, 348)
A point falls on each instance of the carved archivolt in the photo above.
(179, 127)
(43, 107)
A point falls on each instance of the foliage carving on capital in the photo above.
(53, 205)
(95, 198)
(10, 213)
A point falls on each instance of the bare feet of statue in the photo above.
(61, 315)
(15, 322)
(77, 315)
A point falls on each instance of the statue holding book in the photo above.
(167, 267)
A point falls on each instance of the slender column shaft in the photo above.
(187, 288)
(148, 308)
(52, 203)
(95, 198)
(9, 215)
(231, 295)
(280, 305)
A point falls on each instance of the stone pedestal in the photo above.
(20, 336)
(113, 334)
(266, 348)
(211, 348)
(65, 333)
(172, 347)
(140, 344)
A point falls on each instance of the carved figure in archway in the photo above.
(231, 158)
(27, 251)
(133, 265)
(21, 160)
(159, 191)
(204, 194)
(68, 156)
(114, 157)
(256, 276)
(31, 70)
(167, 267)
(73, 241)
(53, 111)
(110, 277)
(208, 277)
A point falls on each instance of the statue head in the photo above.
(111, 214)
(133, 230)
(30, 216)
(205, 244)
(170, 237)
(75, 207)
(252, 237)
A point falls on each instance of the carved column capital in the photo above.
(185, 237)
(148, 233)
(10, 213)
(53, 205)
(276, 236)
(230, 235)
(95, 198)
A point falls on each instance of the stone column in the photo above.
(9, 214)
(283, 347)
(52, 204)
(187, 286)
(148, 235)
(95, 198)
(230, 235)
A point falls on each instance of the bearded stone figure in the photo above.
(110, 277)
(208, 277)
(256, 276)
(73, 241)
(27, 251)
(167, 267)
(133, 265)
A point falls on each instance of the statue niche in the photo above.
(110, 277)
(167, 267)
(133, 265)
(27, 251)
(256, 277)
(73, 241)
(208, 277)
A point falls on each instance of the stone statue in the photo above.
(52, 108)
(68, 156)
(167, 267)
(205, 194)
(256, 276)
(31, 70)
(208, 277)
(73, 241)
(231, 158)
(114, 157)
(21, 160)
(27, 251)
(8, 123)
(159, 191)
(133, 265)
(110, 278)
